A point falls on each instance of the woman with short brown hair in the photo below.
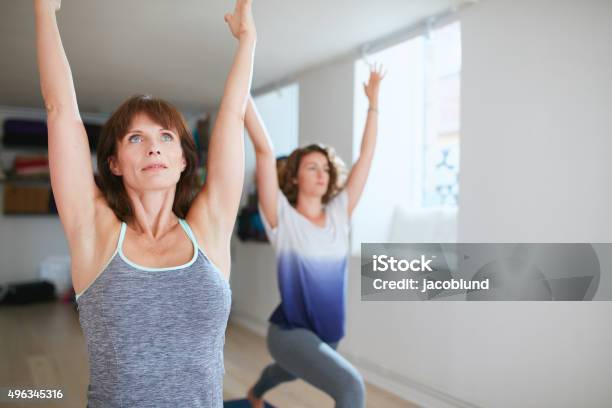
(155, 331)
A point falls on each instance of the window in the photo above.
(416, 166)
(442, 99)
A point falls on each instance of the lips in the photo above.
(155, 166)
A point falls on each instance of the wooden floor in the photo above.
(42, 347)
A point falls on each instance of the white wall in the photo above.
(21, 253)
(326, 108)
(536, 121)
(534, 167)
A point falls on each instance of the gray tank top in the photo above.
(155, 336)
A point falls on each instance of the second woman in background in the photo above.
(307, 215)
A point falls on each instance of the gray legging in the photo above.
(299, 353)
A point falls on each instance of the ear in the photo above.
(184, 165)
(114, 168)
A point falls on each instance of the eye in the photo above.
(131, 138)
(168, 136)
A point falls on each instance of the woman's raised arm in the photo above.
(361, 169)
(267, 179)
(70, 164)
(216, 206)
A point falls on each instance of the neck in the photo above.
(153, 216)
(310, 206)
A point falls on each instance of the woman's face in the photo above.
(313, 174)
(149, 157)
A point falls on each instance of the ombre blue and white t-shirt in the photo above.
(312, 268)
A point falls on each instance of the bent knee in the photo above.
(352, 393)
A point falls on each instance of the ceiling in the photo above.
(181, 50)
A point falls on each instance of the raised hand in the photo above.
(56, 4)
(241, 22)
(52, 5)
(372, 87)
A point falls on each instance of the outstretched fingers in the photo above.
(377, 71)
(240, 21)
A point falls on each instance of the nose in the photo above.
(154, 149)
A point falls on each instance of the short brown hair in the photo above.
(289, 172)
(116, 127)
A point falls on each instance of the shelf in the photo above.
(25, 179)
(26, 134)
(25, 214)
(23, 149)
